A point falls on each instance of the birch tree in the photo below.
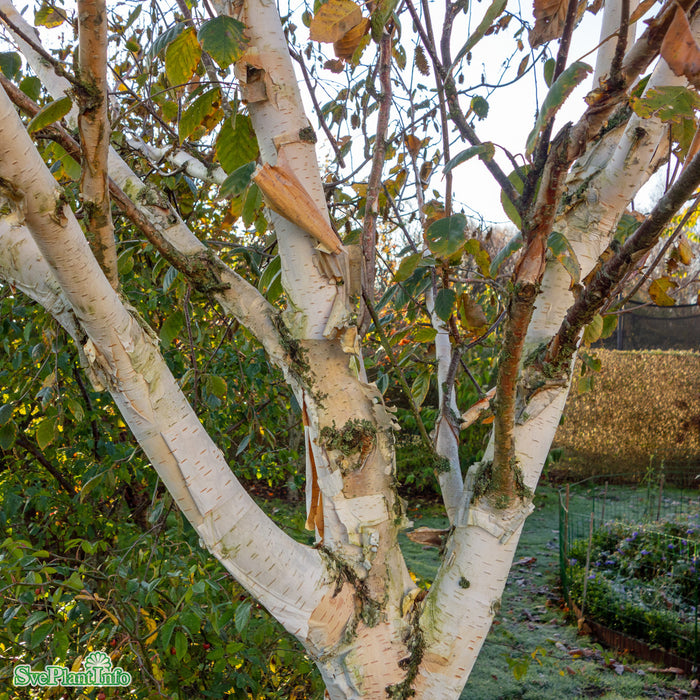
(375, 244)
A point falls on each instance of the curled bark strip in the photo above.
(285, 195)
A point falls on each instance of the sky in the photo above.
(513, 108)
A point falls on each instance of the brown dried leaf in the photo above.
(334, 20)
(641, 10)
(549, 21)
(334, 65)
(428, 536)
(346, 46)
(471, 315)
(413, 144)
(680, 50)
(595, 6)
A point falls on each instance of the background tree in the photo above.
(194, 152)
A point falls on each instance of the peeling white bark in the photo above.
(460, 606)
(446, 436)
(288, 578)
(180, 159)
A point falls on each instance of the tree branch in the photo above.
(94, 128)
(374, 183)
(592, 298)
(33, 450)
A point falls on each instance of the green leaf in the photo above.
(446, 236)
(182, 57)
(125, 263)
(271, 275)
(236, 144)
(628, 224)
(481, 257)
(609, 325)
(180, 645)
(253, 201)
(197, 112)
(8, 433)
(513, 245)
(10, 64)
(6, 412)
(223, 38)
(75, 408)
(515, 179)
(563, 86)
(380, 16)
(45, 432)
(424, 334)
(549, 65)
(31, 87)
(171, 327)
(166, 632)
(420, 387)
(244, 444)
(444, 302)
(242, 616)
(407, 266)
(166, 38)
(216, 385)
(669, 103)
(480, 107)
(559, 244)
(492, 13)
(485, 151)
(238, 181)
(50, 113)
(39, 634)
(46, 16)
(593, 330)
(169, 278)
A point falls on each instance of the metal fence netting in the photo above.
(630, 563)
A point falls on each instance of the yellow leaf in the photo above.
(334, 20)
(77, 664)
(685, 253)
(152, 627)
(346, 46)
(658, 291)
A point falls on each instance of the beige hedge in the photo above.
(644, 406)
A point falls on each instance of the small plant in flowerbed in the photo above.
(643, 581)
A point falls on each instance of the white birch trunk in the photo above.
(288, 578)
(353, 605)
(461, 604)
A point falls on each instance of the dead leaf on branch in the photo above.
(334, 20)
(346, 46)
(641, 10)
(550, 17)
(680, 50)
(428, 536)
